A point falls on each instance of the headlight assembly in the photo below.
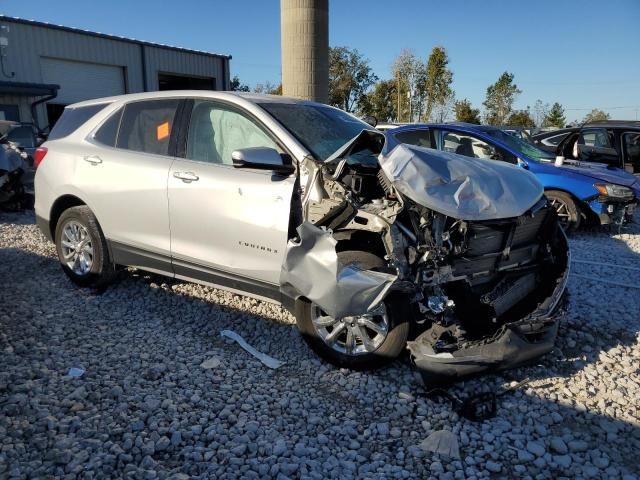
(614, 191)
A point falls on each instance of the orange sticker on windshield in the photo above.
(162, 131)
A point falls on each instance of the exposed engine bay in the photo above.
(484, 284)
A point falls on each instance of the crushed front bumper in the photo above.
(513, 344)
(613, 213)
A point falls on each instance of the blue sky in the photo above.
(582, 53)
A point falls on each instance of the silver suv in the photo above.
(375, 246)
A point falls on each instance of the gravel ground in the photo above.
(146, 408)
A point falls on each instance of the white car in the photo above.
(375, 246)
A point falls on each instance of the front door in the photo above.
(227, 222)
(596, 145)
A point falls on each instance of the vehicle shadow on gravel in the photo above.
(142, 343)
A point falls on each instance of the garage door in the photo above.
(82, 81)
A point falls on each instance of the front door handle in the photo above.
(186, 177)
(93, 159)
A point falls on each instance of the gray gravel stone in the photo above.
(148, 406)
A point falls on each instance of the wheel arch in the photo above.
(61, 204)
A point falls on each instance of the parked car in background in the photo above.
(614, 142)
(549, 140)
(305, 205)
(14, 166)
(581, 192)
(25, 136)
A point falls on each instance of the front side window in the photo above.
(216, 130)
(631, 142)
(471, 146)
(146, 126)
(467, 145)
(594, 138)
(420, 138)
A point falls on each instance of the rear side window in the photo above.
(146, 126)
(108, 132)
(72, 119)
(421, 138)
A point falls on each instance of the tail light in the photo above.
(38, 156)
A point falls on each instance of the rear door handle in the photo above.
(93, 159)
(186, 177)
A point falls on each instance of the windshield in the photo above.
(321, 129)
(521, 146)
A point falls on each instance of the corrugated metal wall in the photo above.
(28, 43)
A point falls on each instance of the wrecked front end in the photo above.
(473, 246)
(12, 168)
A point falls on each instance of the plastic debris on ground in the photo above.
(75, 372)
(263, 357)
(210, 363)
(442, 442)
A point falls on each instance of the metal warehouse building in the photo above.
(45, 67)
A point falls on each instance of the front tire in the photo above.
(82, 249)
(569, 216)
(359, 343)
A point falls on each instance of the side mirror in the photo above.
(261, 158)
(371, 120)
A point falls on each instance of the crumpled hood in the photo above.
(458, 186)
(600, 171)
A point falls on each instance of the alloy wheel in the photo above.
(77, 247)
(358, 335)
(562, 210)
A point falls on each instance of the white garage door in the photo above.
(82, 81)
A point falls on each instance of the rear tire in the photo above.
(569, 215)
(395, 309)
(82, 249)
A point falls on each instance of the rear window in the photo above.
(72, 119)
(146, 126)
(108, 131)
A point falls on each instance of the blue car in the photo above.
(581, 192)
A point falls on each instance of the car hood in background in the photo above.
(600, 171)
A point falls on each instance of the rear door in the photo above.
(228, 225)
(597, 145)
(125, 172)
(631, 146)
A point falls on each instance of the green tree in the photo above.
(555, 117)
(268, 88)
(438, 81)
(500, 98)
(380, 101)
(540, 111)
(408, 72)
(521, 118)
(236, 86)
(596, 115)
(466, 113)
(350, 76)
